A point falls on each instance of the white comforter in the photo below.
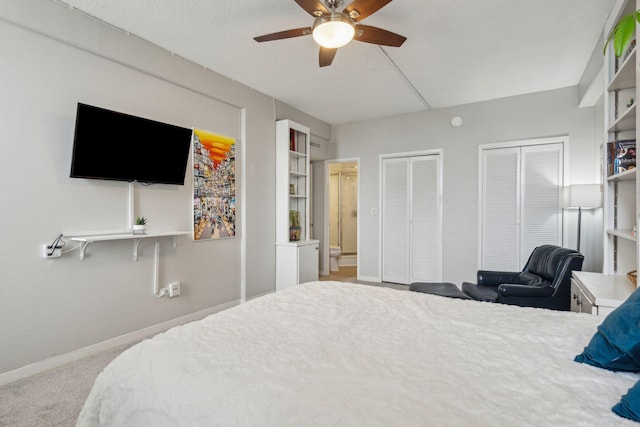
(340, 354)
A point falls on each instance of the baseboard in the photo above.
(63, 359)
(369, 279)
(348, 260)
(260, 295)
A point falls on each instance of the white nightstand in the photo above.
(598, 293)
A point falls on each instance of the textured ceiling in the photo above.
(457, 51)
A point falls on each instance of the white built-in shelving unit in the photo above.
(601, 293)
(296, 260)
(621, 207)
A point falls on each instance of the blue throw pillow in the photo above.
(616, 344)
(629, 405)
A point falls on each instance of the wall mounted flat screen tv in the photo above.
(117, 146)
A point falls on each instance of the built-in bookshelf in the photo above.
(296, 252)
(292, 180)
(621, 208)
(601, 293)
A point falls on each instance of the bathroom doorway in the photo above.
(342, 216)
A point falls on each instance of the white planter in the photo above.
(139, 229)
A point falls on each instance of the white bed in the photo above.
(341, 354)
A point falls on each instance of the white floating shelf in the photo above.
(137, 238)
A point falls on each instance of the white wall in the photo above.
(538, 115)
(52, 58)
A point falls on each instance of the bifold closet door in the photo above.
(411, 219)
(501, 209)
(521, 203)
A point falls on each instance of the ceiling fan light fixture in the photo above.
(333, 31)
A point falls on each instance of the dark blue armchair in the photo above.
(544, 282)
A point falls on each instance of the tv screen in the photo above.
(117, 146)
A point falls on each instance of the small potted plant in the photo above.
(294, 226)
(140, 226)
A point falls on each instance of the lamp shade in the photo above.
(585, 196)
(333, 31)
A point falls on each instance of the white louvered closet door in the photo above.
(411, 220)
(521, 206)
(500, 209)
(541, 198)
(395, 220)
(425, 235)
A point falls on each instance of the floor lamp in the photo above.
(581, 196)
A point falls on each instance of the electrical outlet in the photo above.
(174, 289)
(46, 251)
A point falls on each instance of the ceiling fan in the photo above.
(332, 29)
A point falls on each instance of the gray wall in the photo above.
(538, 115)
(52, 58)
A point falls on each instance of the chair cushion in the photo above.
(495, 278)
(443, 289)
(531, 279)
(629, 405)
(480, 293)
(616, 343)
(545, 260)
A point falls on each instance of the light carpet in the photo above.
(54, 397)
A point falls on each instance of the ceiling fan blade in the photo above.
(364, 8)
(378, 36)
(312, 6)
(327, 55)
(287, 34)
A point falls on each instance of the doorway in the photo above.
(341, 219)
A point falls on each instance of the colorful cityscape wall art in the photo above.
(214, 186)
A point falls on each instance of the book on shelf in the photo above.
(621, 156)
(292, 140)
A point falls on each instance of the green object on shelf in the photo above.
(622, 33)
(141, 220)
(294, 226)
(294, 218)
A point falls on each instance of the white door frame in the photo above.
(325, 246)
